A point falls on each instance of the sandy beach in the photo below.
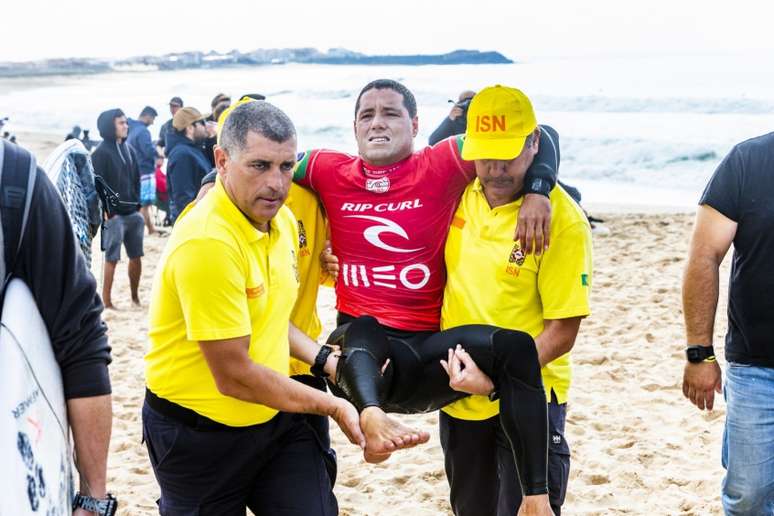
(638, 447)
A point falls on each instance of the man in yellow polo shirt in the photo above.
(491, 280)
(222, 420)
(312, 232)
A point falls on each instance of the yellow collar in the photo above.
(478, 187)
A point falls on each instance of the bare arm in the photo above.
(305, 349)
(713, 234)
(236, 375)
(557, 338)
(91, 420)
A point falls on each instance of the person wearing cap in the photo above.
(117, 163)
(491, 280)
(140, 140)
(187, 163)
(175, 103)
(222, 420)
(219, 104)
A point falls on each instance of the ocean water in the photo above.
(634, 131)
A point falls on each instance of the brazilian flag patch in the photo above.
(585, 280)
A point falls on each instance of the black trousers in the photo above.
(415, 382)
(482, 476)
(320, 425)
(277, 468)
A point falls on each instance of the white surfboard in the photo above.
(35, 451)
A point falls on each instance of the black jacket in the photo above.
(54, 269)
(117, 163)
(186, 168)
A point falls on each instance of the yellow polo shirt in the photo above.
(311, 239)
(220, 278)
(491, 281)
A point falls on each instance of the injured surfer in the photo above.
(389, 212)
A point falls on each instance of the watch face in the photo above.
(694, 355)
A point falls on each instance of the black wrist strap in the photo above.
(104, 507)
(318, 368)
(538, 186)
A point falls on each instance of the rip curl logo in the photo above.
(373, 234)
(380, 185)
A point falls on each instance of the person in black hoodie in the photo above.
(116, 162)
(187, 163)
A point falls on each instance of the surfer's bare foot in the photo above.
(385, 435)
(110, 306)
(136, 303)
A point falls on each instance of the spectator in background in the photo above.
(75, 134)
(88, 142)
(187, 163)
(116, 163)
(219, 104)
(162, 197)
(175, 103)
(140, 140)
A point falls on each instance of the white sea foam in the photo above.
(629, 127)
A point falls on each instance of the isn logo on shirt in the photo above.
(515, 260)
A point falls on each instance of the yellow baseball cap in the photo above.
(499, 121)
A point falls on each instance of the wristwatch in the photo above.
(318, 368)
(539, 186)
(697, 354)
(103, 507)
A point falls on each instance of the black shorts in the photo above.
(277, 467)
(123, 229)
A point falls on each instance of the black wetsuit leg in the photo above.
(415, 382)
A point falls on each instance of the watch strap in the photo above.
(538, 186)
(318, 368)
(697, 354)
(102, 507)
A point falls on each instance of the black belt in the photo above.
(183, 415)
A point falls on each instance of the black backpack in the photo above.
(18, 171)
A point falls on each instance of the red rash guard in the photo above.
(388, 229)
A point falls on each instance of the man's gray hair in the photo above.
(260, 117)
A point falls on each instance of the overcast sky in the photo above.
(36, 29)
